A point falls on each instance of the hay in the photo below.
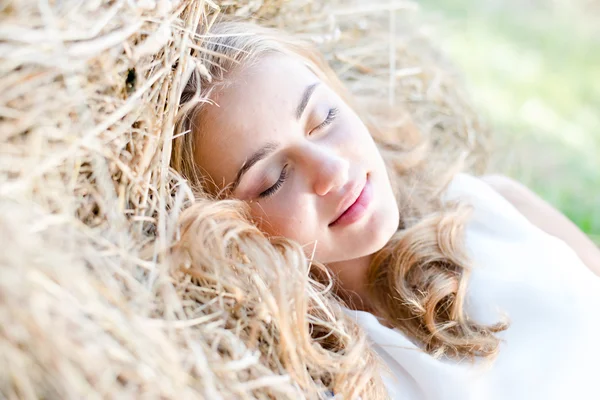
(383, 50)
(92, 301)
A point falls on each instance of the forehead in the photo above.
(257, 107)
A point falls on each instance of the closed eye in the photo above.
(331, 115)
(273, 189)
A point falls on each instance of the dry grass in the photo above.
(92, 303)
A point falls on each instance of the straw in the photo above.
(94, 302)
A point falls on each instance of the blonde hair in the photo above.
(418, 280)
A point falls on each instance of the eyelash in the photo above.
(331, 115)
(333, 112)
(273, 189)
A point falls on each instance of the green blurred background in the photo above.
(533, 68)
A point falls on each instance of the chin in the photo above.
(379, 232)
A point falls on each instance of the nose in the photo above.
(330, 171)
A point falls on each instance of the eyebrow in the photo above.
(270, 147)
(258, 155)
(305, 98)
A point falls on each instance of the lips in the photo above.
(354, 204)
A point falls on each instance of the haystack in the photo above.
(96, 299)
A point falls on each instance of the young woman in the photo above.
(468, 288)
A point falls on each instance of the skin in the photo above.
(326, 152)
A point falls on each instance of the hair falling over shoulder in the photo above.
(418, 280)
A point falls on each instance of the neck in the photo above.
(351, 277)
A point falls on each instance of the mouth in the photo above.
(354, 205)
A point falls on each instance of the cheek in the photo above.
(354, 138)
(289, 216)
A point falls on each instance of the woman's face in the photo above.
(302, 159)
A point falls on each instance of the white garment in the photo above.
(551, 349)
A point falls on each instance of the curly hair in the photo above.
(418, 281)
